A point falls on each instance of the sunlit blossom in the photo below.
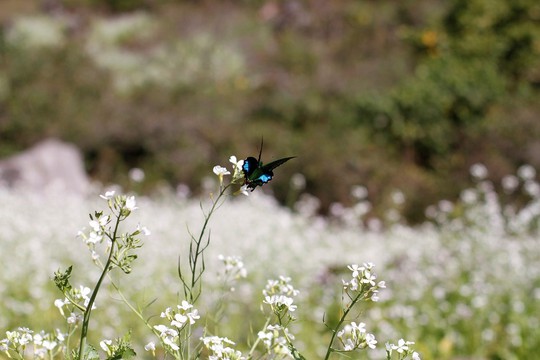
(402, 346)
(526, 172)
(144, 230)
(131, 203)
(274, 339)
(108, 195)
(105, 344)
(220, 348)
(237, 163)
(479, 171)
(280, 302)
(220, 171)
(74, 318)
(234, 266)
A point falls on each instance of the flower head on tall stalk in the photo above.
(362, 283)
(279, 295)
(274, 338)
(233, 270)
(119, 253)
(175, 336)
(362, 286)
(354, 336)
(403, 349)
(220, 348)
(191, 282)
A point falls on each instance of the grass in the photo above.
(464, 285)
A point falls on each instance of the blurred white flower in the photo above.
(359, 192)
(131, 203)
(150, 346)
(236, 163)
(108, 195)
(479, 171)
(298, 181)
(510, 183)
(49, 345)
(532, 188)
(402, 346)
(370, 341)
(220, 171)
(36, 32)
(98, 223)
(446, 206)
(105, 345)
(469, 196)
(74, 318)
(526, 172)
(136, 175)
(144, 230)
(398, 197)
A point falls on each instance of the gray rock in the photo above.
(49, 164)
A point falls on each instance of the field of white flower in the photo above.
(465, 285)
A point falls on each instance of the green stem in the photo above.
(86, 318)
(194, 256)
(335, 330)
(130, 306)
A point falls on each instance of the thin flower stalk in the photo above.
(191, 284)
(106, 269)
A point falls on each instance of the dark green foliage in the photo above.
(430, 112)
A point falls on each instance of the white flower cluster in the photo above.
(95, 236)
(80, 298)
(178, 318)
(107, 346)
(220, 349)
(279, 294)
(403, 349)
(274, 342)
(122, 202)
(234, 267)
(43, 344)
(36, 32)
(354, 336)
(120, 206)
(363, 280)
(238, 174)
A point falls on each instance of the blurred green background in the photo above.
(386, 94)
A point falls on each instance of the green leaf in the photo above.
(122, 348)
(90, 353)
(61, 279)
